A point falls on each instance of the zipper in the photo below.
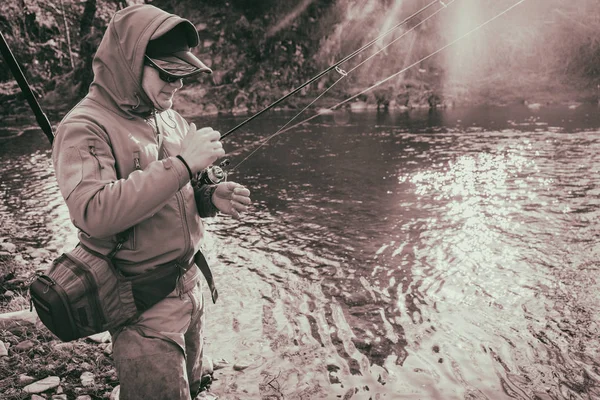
(90, 285)
(92, 148)
(179, 283)
(49, 282)
(63, 296)
(184, 218)
(136, 160)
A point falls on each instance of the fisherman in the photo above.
(127, 166)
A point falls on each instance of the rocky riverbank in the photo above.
(34, 363)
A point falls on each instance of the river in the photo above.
(447, 254)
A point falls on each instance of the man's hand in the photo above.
(231, 198)
(201, 148)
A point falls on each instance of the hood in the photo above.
(118, 63)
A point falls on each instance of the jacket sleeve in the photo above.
(204, 205)
(99, 203)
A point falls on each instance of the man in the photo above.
(125, 163)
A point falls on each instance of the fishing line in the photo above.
(334, 66)
(407, 68)
(343, 74)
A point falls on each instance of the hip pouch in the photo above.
(82, 293)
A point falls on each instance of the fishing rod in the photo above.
(381, 82)
(318, 114)
(343, 74)
(41, 118)
(331, 67)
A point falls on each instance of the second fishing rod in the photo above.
(215, 174)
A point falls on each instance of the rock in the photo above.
(69, 346)
(25, 379)
(211, 109)
(42, 385)
(42, 268)
(207, 365)
(84, 397)
(3, 349)
(102, 337)
(36, 397)
(9, 247)
(25, 345)
(220, 364)
(17, 318)
(38, 253)
(114, 395)
(107, 348)
(240, 367)
(60, 397)
(358, 106)
(87, 379)
(206, 396)
(9, 294)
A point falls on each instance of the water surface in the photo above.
(421, 255)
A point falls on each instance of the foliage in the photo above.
(265, 48)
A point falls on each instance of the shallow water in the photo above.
(422, 255)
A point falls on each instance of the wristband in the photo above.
(186, 166)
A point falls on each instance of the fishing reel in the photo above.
(213, 174)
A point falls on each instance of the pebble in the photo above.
(25, 379)
(36, 397)
(3, 349)
(107, 348)
(69, 346)
(84, 397)
(220, 364)
(207, 365)
(87, 379)
(114, 395)
(9, 247)
(207, 396)
(60, 397)
(25, 345)
(42, 385)
(240, 367)
(37, 253)
(102, 337)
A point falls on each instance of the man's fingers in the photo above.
(241, 199)
(241, 191)
(238, 208)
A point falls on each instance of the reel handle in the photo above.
(213, 174)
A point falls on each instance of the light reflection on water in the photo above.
(440, 255)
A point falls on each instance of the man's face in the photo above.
(158, 91)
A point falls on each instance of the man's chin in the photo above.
(165, 105)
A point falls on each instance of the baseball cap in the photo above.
(170, 54)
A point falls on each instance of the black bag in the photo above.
(82, 293)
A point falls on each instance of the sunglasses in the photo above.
(161, 73)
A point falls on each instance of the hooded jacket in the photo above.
(109, 167)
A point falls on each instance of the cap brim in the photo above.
(181, 64)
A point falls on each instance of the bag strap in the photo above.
(200, 261)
